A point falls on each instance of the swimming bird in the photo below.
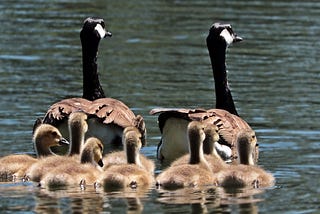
(77, 127)
(196, 172)
(246, 173)
(215, 162)
(45, 136)
(131, 174)
(173, 122)
(84, 173)
(107, 116)
(115, 158)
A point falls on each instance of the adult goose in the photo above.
(107, 116)
(173, 122)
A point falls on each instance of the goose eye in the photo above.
(102, 24)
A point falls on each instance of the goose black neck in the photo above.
(224, 98)
(92, 88)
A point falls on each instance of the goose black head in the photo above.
(222, 34)
(94, 27)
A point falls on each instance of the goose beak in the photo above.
(108, 34)
(100, 163)
(63, 141)
(237, 39)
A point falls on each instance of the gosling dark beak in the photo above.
(100, 163)
(63, 141)
(108, 34)
(237, 39)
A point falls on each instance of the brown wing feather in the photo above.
(108, 109)
(113, 111)
(61, 110)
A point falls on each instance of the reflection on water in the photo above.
(213, 198)
(68, 201)
(73, 199)
(157, 58)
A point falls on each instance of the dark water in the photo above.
(157, 58)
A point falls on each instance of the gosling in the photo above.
(77, 125)
(84, 173)
(131, 174)
(212, 157)
(118, 158)
(193, 174)
(246, 173)
(45, 136)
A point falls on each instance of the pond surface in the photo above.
(157, 57)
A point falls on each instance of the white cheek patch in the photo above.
(100, 30)
(227, 36)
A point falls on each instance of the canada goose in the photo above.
(245, 174)
(131, 174)
(210, 154)
(120, 157)
(195, 173)
(78, 127)
(44, 137)
(84, 173)
(173, 122)
(108, 116)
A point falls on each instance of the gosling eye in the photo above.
(54, 134)
(253, 137)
